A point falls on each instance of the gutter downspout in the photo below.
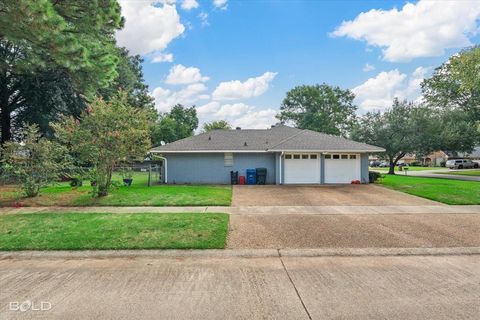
(166, 167)
(281, 155)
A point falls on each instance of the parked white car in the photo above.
(461, 164)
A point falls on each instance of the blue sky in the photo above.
(235, 60)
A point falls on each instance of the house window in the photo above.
(344, 156)
(328, 156)
(336, 156)
(353, 156)
(304, 156)
(288, 156)
(228, 159)
(296, 156)
(313, 156)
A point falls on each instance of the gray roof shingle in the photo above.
(278, 138)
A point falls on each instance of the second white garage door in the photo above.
(342, 168)
(302, 168)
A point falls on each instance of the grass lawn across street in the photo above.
(81, 231)
(397, 169)
(138, 194)
(442, 190)
(462, 173)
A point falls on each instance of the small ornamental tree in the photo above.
(106, 134)
(35, 162)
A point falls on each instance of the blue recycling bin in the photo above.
(251, 176)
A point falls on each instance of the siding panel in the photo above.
(208, 168)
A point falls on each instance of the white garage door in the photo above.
(342, 168)
(302, 168)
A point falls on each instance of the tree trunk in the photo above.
(5, 125)
(391, 169)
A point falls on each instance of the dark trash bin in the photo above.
(261, 175)
(234, 177)
(251, 176)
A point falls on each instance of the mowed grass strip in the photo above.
(82, 231)
(410, 168)
(442, 190)
(138, 194)
(462, 173)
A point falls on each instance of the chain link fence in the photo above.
(147, 173)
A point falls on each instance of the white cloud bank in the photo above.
(378, 93)
(252, 87)
(162, 57)
(165, 99)
(189, 4)
(180, 74)
(238, 115)
(368, 67)
(424, 29)
(220, 4)
(149, 27)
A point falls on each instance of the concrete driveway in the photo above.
(409, 287)
(278, 231)
(325, 195)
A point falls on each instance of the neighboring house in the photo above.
(408, 159)
(290, 155)
(439, 157)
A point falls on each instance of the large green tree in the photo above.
(216, 125)
(45, 41)
(455, 86)
(322, 108)
(177, 124)
(129, 80)
(404, 128)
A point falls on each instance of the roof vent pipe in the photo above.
(245, 144)
(238, 128)
(209, 137)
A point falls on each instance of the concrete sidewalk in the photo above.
(280, 287)
(263, 210)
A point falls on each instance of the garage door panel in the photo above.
(342, 170)
(302, 171)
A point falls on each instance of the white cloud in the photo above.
(221, 4)
(203, 19)
(189, 4)
(368, 67)
(423, 29)
(236, 89)
(149, 27)
(165, 99)
(208, 108)
(238, 115)
(179, 74)
(162, 57)
(378, 93)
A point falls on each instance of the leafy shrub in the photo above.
(373, 176)
(35, 162)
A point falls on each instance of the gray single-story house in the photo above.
(290, 155)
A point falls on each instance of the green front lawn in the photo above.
(397, 169)
(138, 194)
(462, 173)
(81, 231)
(442, 190)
